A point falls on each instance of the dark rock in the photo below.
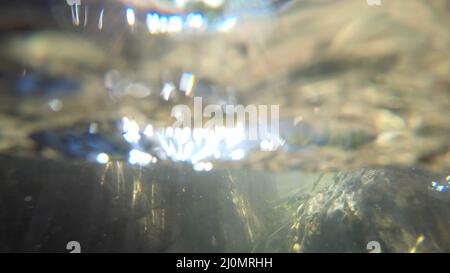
(39, 84)
(392, 206)
(45, 204)
(76, 141)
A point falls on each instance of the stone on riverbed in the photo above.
(392, 206)
(44, 204)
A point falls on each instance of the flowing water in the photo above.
(362, 94)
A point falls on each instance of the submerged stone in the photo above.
(77, 141)
(39, 84)
(45, 204)
(393, 207)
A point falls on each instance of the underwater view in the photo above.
(225, 126)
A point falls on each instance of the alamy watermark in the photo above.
(260, 121)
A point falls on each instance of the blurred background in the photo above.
(358, 85)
